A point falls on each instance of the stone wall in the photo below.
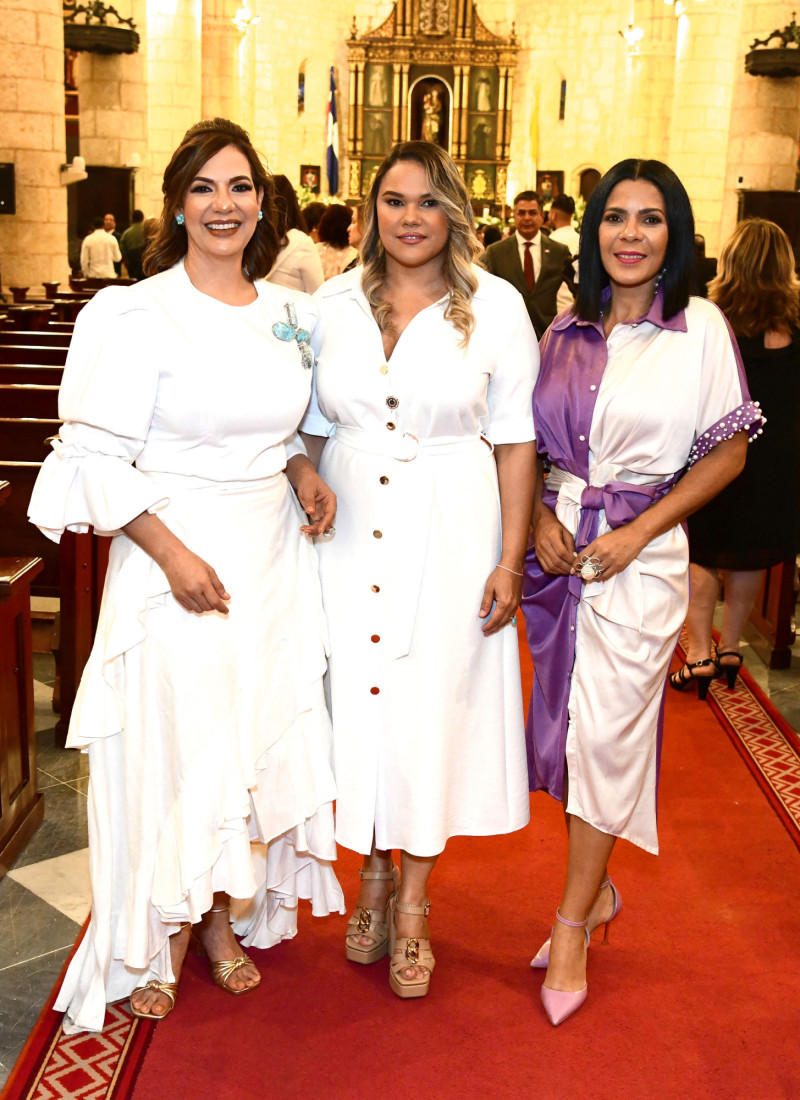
(32, 137)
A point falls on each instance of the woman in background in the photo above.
(297, 265)
(754, 523)
(334, 246)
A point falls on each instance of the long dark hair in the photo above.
(288, 213)
(200, 143)
(679, 262)
(332, 228)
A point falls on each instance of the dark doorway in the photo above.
(106, 191)
(590, 177)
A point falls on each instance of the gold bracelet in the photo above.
(516, 574)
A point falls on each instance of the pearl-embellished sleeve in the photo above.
(725, 407)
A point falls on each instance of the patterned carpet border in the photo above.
(764, 739)
(104, 1066)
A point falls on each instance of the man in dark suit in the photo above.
(532, 263)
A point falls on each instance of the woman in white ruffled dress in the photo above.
(201, 706)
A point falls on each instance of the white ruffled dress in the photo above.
(208, 737)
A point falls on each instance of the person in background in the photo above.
(534, 266)
(562, 211)
(491, 234)
(642, 415)
(110, 226)
(131, 245)
(335, 250)
(355, 234)
(312, 215)
(298, 264)
(100, 252)
(754, 523)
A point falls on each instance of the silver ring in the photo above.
(590, 568)
(329, 533)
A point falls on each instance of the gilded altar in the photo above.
(432, 72)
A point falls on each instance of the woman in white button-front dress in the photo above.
(425, 369)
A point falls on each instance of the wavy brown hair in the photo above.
(200, 143)
(756, 286)
(447, 187)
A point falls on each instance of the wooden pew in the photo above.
(23, 448)
(42, 338)
(25, 399)
(36, 373)
(21, 806)
(30, 353)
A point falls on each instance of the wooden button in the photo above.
(375, 638)
(392, 402)
(376, 588)
(374, 691)
(384, 369)
(391, 426)
(377, 534)
(384, 481)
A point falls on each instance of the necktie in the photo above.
(527, 267)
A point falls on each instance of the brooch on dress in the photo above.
(291, 331)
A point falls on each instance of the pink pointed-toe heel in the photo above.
(560, 1004)
(541, 959)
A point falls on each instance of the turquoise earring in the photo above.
(260, 215)
(179, 218)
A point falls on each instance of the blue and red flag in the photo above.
(333, 140)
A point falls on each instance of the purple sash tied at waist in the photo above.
(550, 604)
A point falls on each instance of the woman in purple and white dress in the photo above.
(642, 415)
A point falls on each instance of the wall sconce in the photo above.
(244, 20)
(73, 173)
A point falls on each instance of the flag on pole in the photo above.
(333, 139)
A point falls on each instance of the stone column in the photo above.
(33, 242)
(765, 119)
(174, 84)
(648, 81)
(705, 65)
(229, 62)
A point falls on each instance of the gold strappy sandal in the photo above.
(410, 951)
(368, 923)
(221, 971)
(169, 989)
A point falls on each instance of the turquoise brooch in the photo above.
(292, 331)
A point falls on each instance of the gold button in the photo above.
(375, 638)
(384, 369)
(374, 691)
(392, 402)
(377, 534)
(384, 481)
(391, 426)
(376, 588)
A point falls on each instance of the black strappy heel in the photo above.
(730, 672)
(684, 678)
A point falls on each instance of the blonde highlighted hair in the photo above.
(445, 185)
(756, 286)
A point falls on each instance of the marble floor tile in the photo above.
(64, 827)
(23, 991)
(44, 667)
(62, 882)
(64, 765)
(29, 927)
(80, 784)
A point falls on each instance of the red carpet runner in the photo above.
(696, 997)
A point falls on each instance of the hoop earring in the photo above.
(179, 219)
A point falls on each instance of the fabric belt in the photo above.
(405, 447)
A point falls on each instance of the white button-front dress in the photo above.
(427, 712)
(208, 735)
